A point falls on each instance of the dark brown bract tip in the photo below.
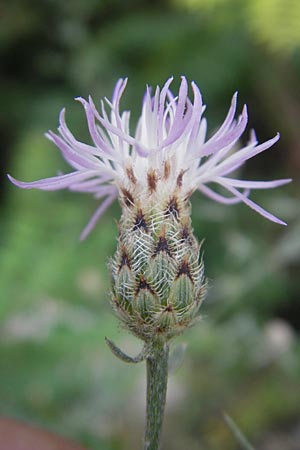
(167, 170)
(140, 221)
(162, 246)
(127, 197)
(186, 235)
(184, 269)
(125, 261)
(173, 208)
(152, 180)
(179, 178)
(142, 284)
(169, 308)
(131, 175)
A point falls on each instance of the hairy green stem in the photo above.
(157, 380)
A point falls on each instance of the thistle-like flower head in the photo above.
(157, 274)
(167, 154)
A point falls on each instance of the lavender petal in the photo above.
(238, 158)
(229, 139)
(252, 184)
(220, 198)
(77, 160)
(96, 216)
(254, 206)
(54, 183)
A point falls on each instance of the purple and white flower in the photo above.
(169, 142)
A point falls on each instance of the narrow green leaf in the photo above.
(241, 439)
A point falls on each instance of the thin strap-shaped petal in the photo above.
(252, 184)
(169, 114)
(155, 103)
(161, 108)
(77, 160)
(179, 127)
(228, 120)
(141, 151)
(228, 139)
(182, 96)
(197, 138)
(155, 119)
(94, 186)
(195, 121)
(105, 190)
(97, 139)
(112, 138)
(96, 216)
(54, 183)
(109, 126)
(210, 168)
(181, 116)
(254, 205)
(118, 92)
(224, 127)
(220, 198)
(252, 137)
(79, 146)
(238, 158)
(144, 126)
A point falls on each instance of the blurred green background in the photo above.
(243, 358)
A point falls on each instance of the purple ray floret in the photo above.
(170, 133)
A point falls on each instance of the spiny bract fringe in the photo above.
(157, 272)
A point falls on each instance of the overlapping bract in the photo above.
(157, 273)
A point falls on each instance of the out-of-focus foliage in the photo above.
(275, 23)
(243, 357)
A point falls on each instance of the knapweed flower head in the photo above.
(157, 272)
(167, 152)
